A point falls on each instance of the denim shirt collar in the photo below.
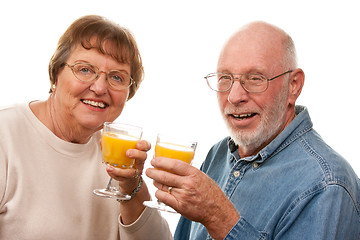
(297, 127)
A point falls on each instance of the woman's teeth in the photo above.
(94, 104)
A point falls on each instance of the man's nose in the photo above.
(237, 93)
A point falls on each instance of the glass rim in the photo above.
(173, 139)
(118, 125)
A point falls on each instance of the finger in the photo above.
(139, 153)
(143, 145)
(135, 153)
(121, 174)
(175, 166)
(164, 191)
(168, 197)
(127, 179)
(164, 178)
(139, 156)
(160, 186)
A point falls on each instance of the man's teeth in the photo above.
(94, 104)
(246, 115)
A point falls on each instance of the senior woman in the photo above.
(50, 159)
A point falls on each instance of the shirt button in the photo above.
(255, 165)
(236, 173)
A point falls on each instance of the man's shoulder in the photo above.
(315, 163)
(217, 154)
(222, 146)
(324, 156)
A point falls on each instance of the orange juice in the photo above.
(174, 151)
(114, 147)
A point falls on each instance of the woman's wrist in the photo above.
(135, 191)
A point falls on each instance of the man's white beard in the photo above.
(272, 120)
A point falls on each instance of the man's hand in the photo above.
(194, 195)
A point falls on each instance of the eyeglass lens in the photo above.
(251, 82)
(87, 73)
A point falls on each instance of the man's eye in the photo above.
(224, 77)
(255, 78)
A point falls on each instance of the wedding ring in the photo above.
(169, 190)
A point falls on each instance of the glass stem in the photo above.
(109, 184)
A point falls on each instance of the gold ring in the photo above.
(137, 175)
(169, 190)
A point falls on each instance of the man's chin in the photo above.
(247, 139)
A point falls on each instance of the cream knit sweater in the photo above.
(46, 186)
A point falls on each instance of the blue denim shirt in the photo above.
(297, 187)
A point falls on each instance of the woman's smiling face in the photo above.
(86, 106)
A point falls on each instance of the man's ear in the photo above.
(296, 83)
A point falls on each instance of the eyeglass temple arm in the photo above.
(280, 75)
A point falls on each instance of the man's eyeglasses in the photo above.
(86, 72)
(251, 82)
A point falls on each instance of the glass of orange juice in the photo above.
(116, 139)
(171, 147)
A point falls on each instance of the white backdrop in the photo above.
(180, 42)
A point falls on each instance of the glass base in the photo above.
(159, 205)
(111, 193)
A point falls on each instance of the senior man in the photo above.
(274, 177)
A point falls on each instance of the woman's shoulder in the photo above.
(14, 115)
(8, 108)
(11, 112)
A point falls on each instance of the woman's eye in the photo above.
(84, 69)
(117, 78)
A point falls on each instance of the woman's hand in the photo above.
(129, 178)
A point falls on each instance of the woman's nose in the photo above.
(100, 85)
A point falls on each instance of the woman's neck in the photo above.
(46, 112)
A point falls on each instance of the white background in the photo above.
(180, 42)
